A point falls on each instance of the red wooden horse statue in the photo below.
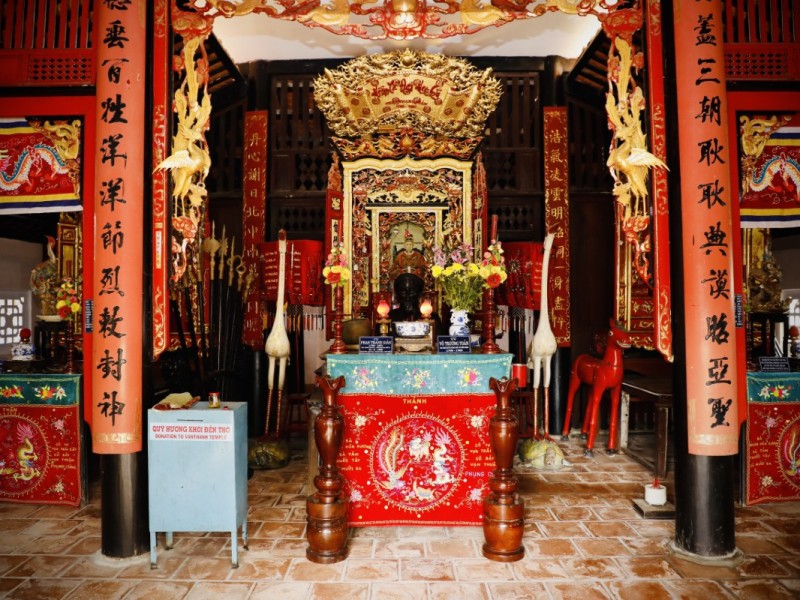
(602, 374)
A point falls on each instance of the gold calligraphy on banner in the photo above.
(556, 201)
(253, 216)
(711, 374)
(118, 264)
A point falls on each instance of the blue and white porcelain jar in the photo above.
(23, 349)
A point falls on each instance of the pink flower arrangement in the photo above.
(336, 271)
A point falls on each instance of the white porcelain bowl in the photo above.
(412, 328)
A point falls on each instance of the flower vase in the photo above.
(459, 322)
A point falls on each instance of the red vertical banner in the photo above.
(705, 151)
(254, 217)
(118, 201)
(162, 108)
(662, 304)
(556, 219)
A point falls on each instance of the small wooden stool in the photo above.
(296, 416)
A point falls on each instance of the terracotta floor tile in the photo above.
(272, 590)
(693, 589)
(578, 591)
(38, 589)
(756, 589)
(790, 542)
(650, 528)
(292, 547)
(761, 566)
(93, 590)
(166, 567)
(268, 513)
(790, 526)
(410, 548)
(214, 590)
(563, 529)
(94, 566)
(337, 591)
(9, 562)
(201, 546)
(609, 529)
(517, 590)
(398, 591)
(595, 568)
(694, 570)
(792, 585)
(540, 513)
(601, 547)
(361, 548)
(639, 590)
(550, 547)
(260, 569)
(302, 570)
(372, 569)
(480, 569)
(755, 544)
(647, 567)
(12, 510)
(453, 549)
(41, 567)
(412, 569)
(159, 590)
(205, 568)
(534, 569)
(452, 590)
(272, 529)
(14, 525)
(573, 513)
(88, 544)
(51, 527)
(617, 513)
(7, 584)
(648, 546)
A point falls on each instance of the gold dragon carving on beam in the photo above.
(402, 19)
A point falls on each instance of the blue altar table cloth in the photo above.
(412, 374)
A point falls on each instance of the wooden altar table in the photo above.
(416, 447)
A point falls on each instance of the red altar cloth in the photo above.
(416, 459)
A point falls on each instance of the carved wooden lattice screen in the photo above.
(512, 154)
(299, 158)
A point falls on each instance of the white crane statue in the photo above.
(542, 348)
(277, 346)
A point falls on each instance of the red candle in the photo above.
(519, 371)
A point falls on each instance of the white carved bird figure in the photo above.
(543, 345)
(277, 345)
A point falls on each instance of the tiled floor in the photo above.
(583, 540)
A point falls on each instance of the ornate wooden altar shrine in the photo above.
(408, 126)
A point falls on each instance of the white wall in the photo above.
(17, 259)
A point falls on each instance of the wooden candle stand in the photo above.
(338, 345)
(503, 510)
(326, 508)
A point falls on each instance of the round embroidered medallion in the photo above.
(416, 462)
